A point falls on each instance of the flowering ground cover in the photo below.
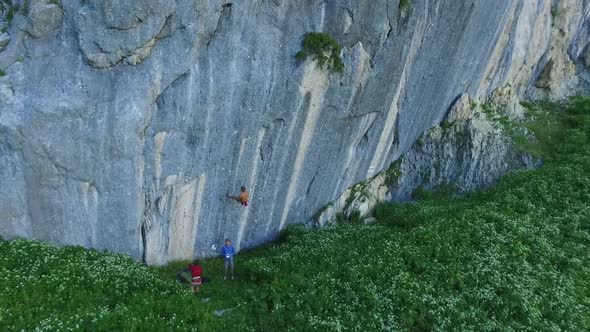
(512, 257)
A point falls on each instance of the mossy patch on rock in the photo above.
(323, 49)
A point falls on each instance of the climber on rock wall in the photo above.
(242, 198)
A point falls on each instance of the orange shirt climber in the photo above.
(242, 198)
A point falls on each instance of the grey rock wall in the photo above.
(472, 148)
(123, 124)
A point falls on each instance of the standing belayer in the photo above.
(242, 198)
(228, 258)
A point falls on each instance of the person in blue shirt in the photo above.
(228, 255)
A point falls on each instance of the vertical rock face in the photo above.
(123, 124)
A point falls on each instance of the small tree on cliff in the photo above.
(322, 48)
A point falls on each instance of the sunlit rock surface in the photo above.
(123, 124)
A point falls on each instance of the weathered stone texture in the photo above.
(124, 123)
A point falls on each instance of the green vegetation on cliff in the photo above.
(404, 4)
(9, 8)
(323, 49)
(513, 257)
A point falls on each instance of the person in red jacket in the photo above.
(197, 275)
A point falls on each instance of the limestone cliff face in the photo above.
(124, 123)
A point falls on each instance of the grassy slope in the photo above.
(516, 256)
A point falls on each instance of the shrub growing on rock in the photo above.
(322, 48)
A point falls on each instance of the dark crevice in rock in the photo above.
(97, 44)
(156, 101)
(64, 171)
(366, 134)
(544, 80)
(584, 57)
(144, 229)
(538, 67)
(390, 26)
(146, 218)
(61, 168)
(396, 131)
(455, 100)
(122, 29)
(311, 183)
(164, 32)
(225, 13)
(349, 13)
